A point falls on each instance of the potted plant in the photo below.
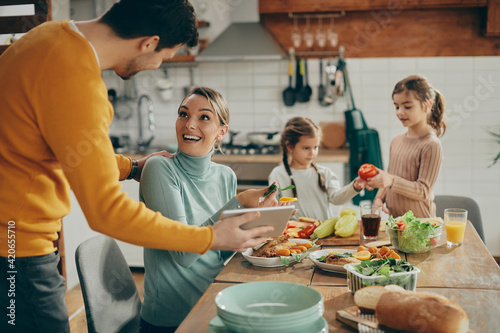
(495, 132)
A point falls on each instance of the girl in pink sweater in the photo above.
(415, 156)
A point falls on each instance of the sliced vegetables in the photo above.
(326, 228)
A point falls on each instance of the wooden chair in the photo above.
(452, 201)
(112, 303)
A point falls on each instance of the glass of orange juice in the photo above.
(455, 220)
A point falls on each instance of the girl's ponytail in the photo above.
(287, 168)
(436, 118)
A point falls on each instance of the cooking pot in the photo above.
(264, 138)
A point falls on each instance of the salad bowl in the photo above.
(413, 235)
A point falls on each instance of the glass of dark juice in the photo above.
(370, 219)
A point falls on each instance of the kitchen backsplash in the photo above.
(470, 85)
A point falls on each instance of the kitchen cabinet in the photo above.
(393, 28)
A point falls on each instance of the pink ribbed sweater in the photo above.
(415, 164)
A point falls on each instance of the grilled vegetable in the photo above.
(326, 228)
(307, 231)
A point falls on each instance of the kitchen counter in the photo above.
(324, 156)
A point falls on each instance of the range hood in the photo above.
(242, 42)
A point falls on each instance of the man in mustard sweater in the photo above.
(55, 116)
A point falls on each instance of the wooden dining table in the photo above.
(466, 274)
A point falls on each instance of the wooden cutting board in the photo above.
(351, 317)
(334, 240)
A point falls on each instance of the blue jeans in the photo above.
(32, 295)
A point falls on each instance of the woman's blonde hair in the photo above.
(217, 101)
(294, 129)
(424, 92)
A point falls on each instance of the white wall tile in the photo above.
(212, 68)
(375, 64)
(430, 64)
(267, 80)
(271, 67)
(403, 64)
(239, 68)
(458, 64)
(490, 63)
(238, 108)
(241, 80)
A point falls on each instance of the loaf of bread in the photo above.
(366, 298)
(420, 312)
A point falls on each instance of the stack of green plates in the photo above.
(270, 306)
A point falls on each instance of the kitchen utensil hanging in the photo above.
(321, 87)
(289, 95)
(330, 71)
(299, 82)
(339, 78)
(304, 93)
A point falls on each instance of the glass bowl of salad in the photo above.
(381, 272)
(412, 235)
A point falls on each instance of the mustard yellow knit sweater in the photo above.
(54, 120)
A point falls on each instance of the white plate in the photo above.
(272, 262)
(314, 256)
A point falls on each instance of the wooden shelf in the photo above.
(318, 6)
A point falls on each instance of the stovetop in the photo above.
(249, 149)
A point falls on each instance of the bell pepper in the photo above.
(307, 231)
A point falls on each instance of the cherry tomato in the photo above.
(433, 241)
(307, 231)
(367, 171)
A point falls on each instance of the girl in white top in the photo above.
(317, 188)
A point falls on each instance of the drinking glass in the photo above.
(320, 35)
(308, 35)
(296, 35)
(455, 220)
(332, 35)
(370, 220)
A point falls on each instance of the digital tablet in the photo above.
(274, 216)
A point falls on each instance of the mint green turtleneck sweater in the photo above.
(192, 190)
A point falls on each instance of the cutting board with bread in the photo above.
(393, 309)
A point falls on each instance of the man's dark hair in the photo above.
(174, 21)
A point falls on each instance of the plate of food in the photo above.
(333, 260)
(280, 251)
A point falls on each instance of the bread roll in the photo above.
(420, 312)
(367, 298)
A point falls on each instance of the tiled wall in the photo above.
(471, 86)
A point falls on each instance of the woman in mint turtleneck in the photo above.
(189, 187)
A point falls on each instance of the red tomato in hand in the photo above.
(367, 171)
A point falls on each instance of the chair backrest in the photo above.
(452, 201)
(112, 303)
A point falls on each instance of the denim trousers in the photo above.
(32, 295)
